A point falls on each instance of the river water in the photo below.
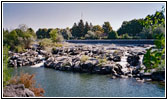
(69, 84)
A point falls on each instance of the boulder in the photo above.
(133, 60)
(17, 91)
(158, 76)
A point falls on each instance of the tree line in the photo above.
(21, 37)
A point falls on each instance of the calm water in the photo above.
(68, 84)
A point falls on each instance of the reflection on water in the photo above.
(68, 84)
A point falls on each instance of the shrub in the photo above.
(45, 43)
(19, 49)
(90, 35)
(113, 35)
(29, 82)
(84, 58)
(126, 36)
(55, 37)
(102, 61)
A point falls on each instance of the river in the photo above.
(69, 84)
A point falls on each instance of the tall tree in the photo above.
(81, 28)
(87, 28)
(107, 27)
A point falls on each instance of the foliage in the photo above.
(102, 61)
(90, 35)
(55, 37)
(157, 55)
(6, 70)
(66, 33)
(43, 33)
(107, 27)
(87, 28)
(29, 82)
(97, 28)
(45, 43)
(126, 36)
(133, 27)
(84, 58)
(19, 39)
(113, 35)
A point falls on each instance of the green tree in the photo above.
(113, 35)
(55, 37)
(81, 28)
(107, 27)
(97, 28)
(87, 28)
(75, 30)
(133, 27)
(157, 55)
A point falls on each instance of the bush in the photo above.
(29, 82)
(84, 58)
(126, 36)
(55, 37)
(45, 43)
(113, 35)
(102, 61)
(19, 49)
(90, 35)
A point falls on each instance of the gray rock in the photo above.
(17, 91)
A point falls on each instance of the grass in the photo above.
(84, 58)
(47, 44)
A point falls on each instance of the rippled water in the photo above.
(68, 84)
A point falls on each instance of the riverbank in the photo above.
(116, 60)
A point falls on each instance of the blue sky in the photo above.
(62, 15)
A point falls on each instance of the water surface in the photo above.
(69, 84)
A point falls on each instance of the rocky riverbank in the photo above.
(119, 61)
(17, 91)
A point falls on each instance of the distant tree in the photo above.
(91, 26)
(81, 28)
(90, 35)
(113, 35)
(43, 33)
(75, 30)
(99, 34)
(55, 37)
(87, 28)
(133, 27)
(97, 28)
(107, 27)
(66, 33)
(23, 27)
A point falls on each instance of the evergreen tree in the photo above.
(87, 28)
(81, 28)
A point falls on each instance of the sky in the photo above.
(62, 15)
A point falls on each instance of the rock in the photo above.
(145, 75)
(113, 77)
(17, 91)
(76, 66)
(158, 76)
(133, 60)
(116, 58)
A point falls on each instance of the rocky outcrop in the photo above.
(119, 61)
(17, 91)
(30, 57)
